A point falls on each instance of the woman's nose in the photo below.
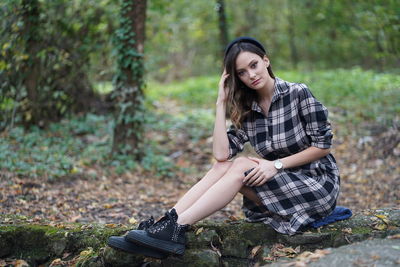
(252, 74)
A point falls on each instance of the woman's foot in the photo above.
(165, 235)
(118, 242)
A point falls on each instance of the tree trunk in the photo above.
(291, 31)
(128, 94)
(223, 27)
(31, 70)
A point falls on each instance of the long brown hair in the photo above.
(240, 97)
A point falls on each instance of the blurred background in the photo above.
(79, 76)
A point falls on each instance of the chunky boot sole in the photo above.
(118, 242)
(142, 238)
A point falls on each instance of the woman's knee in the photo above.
(242, 164)
(221, 166)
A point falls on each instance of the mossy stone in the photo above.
(194, 257)
(307, 241)
(117, 258)
(202, 239)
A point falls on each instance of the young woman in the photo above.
(292, 183)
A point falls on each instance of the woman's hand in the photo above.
(222, 90)
(264, 171)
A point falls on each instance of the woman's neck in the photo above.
(267, 92)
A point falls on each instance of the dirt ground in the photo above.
(369, 165)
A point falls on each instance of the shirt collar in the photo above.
(281, 87)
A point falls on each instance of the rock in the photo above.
(375, 252)
(116, 258)
(236, 243)
(307, 241)
(200, 258)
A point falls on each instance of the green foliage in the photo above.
(81, 143)
(184, 41)
(56, 152)
(195, 92)
(72, 146)
(356, 94)
(46, 49)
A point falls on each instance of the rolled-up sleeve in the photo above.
(237, 138)
(315, 116)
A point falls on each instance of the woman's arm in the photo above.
(266, 169)
(306, 156)
(220, 137)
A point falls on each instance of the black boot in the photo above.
(165, 235)
(143, 225)
(119, 242)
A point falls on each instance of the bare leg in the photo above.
(212, 176)
(219, 194)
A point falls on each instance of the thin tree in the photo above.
(222, 24)
(30, 71)
(128, 81)
(292, 34)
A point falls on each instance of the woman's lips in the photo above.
(256, 81)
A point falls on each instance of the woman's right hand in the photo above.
(222, 89)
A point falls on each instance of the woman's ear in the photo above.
(266, 60)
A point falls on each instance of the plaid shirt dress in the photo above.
(294, 197)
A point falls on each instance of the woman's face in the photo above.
(252, 70)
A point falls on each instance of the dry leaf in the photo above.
(215, 249)
(384, 218)
(87, 252)
(21, 263)
(132, 220)
(198, 231)
(380, 226)
(347, 231)
(55, 262)
(397, 236)
(254, 252)
(233, 218)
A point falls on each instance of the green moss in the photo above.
(361, 230)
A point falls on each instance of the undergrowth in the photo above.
(83, 142)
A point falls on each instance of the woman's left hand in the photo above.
(264, 171)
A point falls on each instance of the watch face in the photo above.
(278, 164)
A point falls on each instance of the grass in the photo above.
(357, 94)
(84, 142)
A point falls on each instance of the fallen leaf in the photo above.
(55, 262)
(111, 225)
(397, 236)
(233, 218)
(132, 220)
(87, 252)
(21, 263)
(254, 252)
(380, 226)
(215, 249)
(384, 218)
(347, 231)
(198, 231)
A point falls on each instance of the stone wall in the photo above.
(235, 243)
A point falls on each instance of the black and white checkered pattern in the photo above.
(298, 196)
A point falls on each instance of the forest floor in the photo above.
(367, 154)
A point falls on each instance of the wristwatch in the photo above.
(278, 164)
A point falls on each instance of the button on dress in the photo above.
(294, 197)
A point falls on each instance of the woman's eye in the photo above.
(240, 73)
(254, 65)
